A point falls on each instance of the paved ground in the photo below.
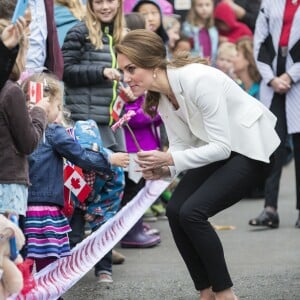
(264, 264)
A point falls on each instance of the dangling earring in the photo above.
(154, 75)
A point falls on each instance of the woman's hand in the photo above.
(154, 159)
(155, 174)
(119, 159)
(281, 84)
(13, 33)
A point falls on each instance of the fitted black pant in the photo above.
(273, 181)
(202, 193)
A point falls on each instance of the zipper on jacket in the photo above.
(115, 82)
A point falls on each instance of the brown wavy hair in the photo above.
(245, 45)
(94, 25)
(146, 50)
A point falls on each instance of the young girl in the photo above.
(90, 68)
(20, 132)
(172, 26)
(226, 54)
(152, 12)
(199, 25)
(46, 227)
(229, 28)
(105, 197)
(184, 44)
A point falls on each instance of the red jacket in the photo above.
(224, 13)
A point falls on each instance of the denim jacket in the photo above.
(46, 165)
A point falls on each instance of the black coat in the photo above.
(89, 95)
(7, 61)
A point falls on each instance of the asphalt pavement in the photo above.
(264, 263)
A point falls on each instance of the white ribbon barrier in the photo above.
(61, 275)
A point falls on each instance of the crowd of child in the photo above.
(67, 47)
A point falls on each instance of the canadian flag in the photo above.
(35, 91)
(76, 184)
(117, 108)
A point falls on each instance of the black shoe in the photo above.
(266, 218)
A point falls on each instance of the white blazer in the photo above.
(215, 117)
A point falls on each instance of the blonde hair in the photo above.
(170, 21)
(75, 6)
(94, 25)
(227, 48)
(193, 18)
(20, 63)
(146, 50)
(52, 87)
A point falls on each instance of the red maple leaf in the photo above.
(75, 182)
(32, 92)
(119, 105)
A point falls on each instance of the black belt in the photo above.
(283, 51)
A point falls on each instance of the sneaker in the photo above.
(159, 211)
(149, 216)
(104, 278)
(117, 257)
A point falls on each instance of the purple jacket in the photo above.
(144, 127)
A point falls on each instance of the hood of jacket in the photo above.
(225, 13)
(237, 29)
(63, 16)
(160, 30)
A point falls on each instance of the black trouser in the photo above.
(131, 189)
(77, 223)
(273, 181)
(202, 193)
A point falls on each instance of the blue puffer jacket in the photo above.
(46, 165)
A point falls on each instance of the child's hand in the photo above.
(119, 159)
(89, 217)
(43, 103)
(127, 92)
(13, 33)
(112, 74)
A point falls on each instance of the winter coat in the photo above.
(46, 165)
(237, 30)
(88, 94)
(20, 133)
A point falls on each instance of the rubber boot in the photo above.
(137, 238)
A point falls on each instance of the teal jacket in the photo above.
(64, 20)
